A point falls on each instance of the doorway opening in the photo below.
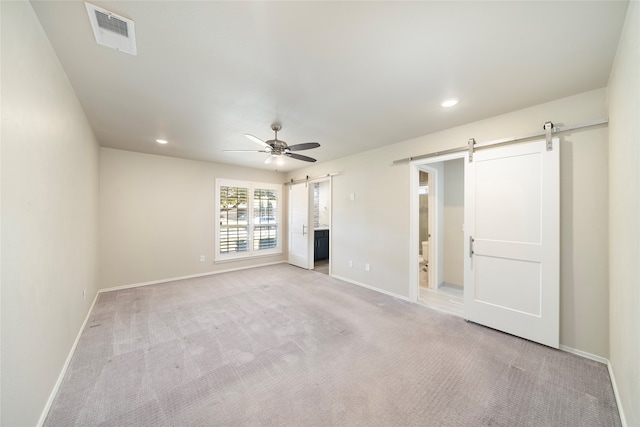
(437, 237)
(321, 226)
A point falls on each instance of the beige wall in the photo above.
(49, 216)
(157, 216)
(453, 219)
(364, 233)
(624, 220)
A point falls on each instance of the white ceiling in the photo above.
(350, 75)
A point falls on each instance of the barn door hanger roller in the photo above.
(549, 128)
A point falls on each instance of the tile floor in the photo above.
(321, 266)
(447, 298)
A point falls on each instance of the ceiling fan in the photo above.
(276, 147)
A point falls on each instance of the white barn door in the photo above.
(299, 241)
(512, 216)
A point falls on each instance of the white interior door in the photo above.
(299, 241)
(512, 267)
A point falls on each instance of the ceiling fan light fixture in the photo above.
(448, 103)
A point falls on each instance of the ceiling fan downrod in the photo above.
(276, 127)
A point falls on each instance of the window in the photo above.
(248, 214)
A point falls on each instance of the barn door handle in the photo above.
(470, 246)
(303, 231)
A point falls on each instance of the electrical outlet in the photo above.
(350, 263)
(84, 294)
(367, 267)
(201, 258)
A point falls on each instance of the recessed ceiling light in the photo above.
(161, 141)
(450, 102)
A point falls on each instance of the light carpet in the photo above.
(281, 346)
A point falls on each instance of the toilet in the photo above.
(424, 265)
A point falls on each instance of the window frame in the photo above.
(251, 252)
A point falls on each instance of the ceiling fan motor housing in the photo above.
(277, 146)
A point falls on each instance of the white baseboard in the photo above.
(56, 387)
(623, 420)
(450, 285)
(584, 354)
(192, 276)
(606, 361)
(344, 279)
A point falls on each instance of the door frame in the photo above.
(311, 233)
(435, 269)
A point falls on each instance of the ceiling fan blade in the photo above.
(270, 159)
(304, 146)
(300, 157)
(256, 140)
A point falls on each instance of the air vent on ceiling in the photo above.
(112, 30)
